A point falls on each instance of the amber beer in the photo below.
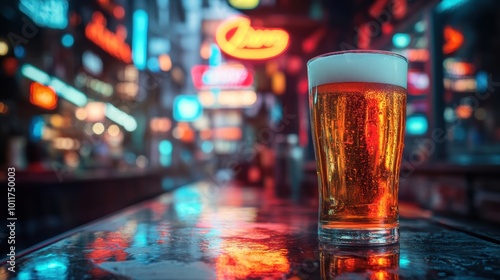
(381, 262)
(358, 104)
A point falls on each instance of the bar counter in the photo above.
(206, 231)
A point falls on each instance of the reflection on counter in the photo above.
(359, 262)
(248, 233)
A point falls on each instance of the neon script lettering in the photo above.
(113, 43)
(237, 38)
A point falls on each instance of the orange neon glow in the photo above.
(463, 111)
(453, 40)
(375, 142)
(104, 248)
(205, 134)
(417, 55)
(160, 124)
(243, 260)
(43, 96)
(184, 132)
(111, 42)
(228, 133)
(459, 68)
(278, 83)
(370, 263)
(237, 38)
(205, 50)
(112, 245)
(461, 85)
(3, 108)
(165, 62)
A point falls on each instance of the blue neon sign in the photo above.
(187, 108)
(46, 13)
(416, 125)
(140, 39)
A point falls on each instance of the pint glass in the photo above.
(357, 103)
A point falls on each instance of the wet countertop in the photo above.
(206, 231)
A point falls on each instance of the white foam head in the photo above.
(358, 66)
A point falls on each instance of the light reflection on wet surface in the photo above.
(201, 232)
(363, 263)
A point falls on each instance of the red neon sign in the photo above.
(237, 38)
(233, 76)
(111, 42)
(453, 40)
(43, 96)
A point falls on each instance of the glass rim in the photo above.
(382, 52)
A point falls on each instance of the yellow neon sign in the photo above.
(237, 38)
(244, 4)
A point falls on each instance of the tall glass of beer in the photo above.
(357, 102)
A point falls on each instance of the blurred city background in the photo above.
(105, 103)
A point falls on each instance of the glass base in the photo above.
(359, 237)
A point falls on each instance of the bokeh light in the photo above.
(98, 128)
(4, 48)
(113, 130)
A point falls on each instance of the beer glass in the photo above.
(357, 103)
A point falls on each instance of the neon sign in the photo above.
(43, 96)
(111, 42)
(187, 108)
(118, 116)
(415, 55)
(140, 39)
(77, 97)
(62, 89)
(237, 38)
(456, 68)
(244, 4)
(47, 13)
(460, 85)
(453, 40)
(222, 77)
